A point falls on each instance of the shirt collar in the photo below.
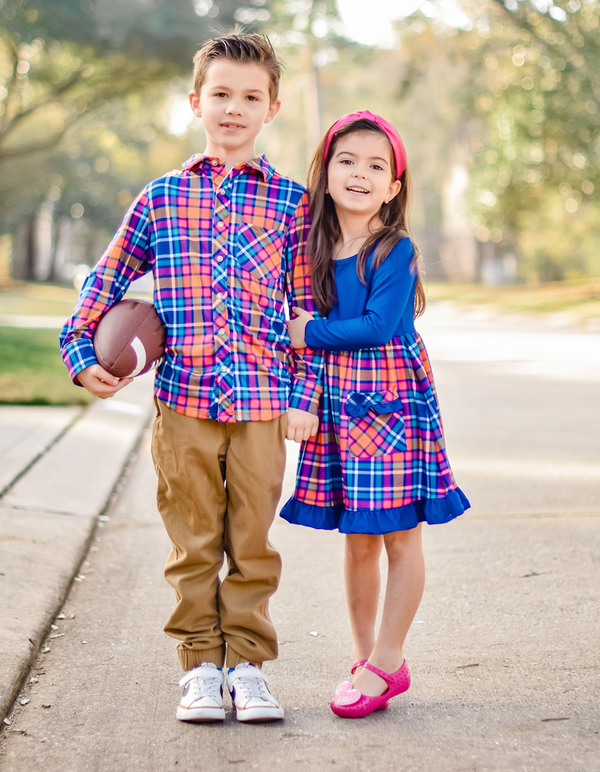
(259, 164)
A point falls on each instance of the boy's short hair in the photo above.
(239, 46)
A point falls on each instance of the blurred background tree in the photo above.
(86, 93)
(498, 106)
(536, 162)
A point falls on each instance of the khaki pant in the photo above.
(218, 488)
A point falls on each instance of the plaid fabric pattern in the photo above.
(226, 251)
(367, 459)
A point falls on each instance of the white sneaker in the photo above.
(250, 694)
(202, 698)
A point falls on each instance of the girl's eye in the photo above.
(345, 161)
(377, 167)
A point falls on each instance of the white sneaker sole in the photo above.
(259, 714)
(200, 714)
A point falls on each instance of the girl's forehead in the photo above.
(365, 143)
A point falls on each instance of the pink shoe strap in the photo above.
(389, 678)
(356, 665)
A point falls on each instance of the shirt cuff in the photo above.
(306, 396)
(78, 355)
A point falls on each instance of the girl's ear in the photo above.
(393, 191)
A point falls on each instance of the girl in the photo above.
(377, 467)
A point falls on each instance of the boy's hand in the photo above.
(297, 326)
(301, 425)
(100, 383)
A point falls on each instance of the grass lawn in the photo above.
(579, 299)
(32, 371)
(38, 299)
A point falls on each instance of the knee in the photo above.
(403, 545)
(363, 548)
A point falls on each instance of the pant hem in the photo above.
(189, 658)
(233, 658)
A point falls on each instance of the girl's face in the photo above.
(359, 176)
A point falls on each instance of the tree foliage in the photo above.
(536, 166)
(85, 91)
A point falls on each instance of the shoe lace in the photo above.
(253, 687)
(206, 687)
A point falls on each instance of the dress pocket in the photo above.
(259, 251)
(375, 424)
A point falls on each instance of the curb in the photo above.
(48, 518)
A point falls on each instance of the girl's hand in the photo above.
(297, 326)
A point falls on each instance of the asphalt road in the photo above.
(503, 652)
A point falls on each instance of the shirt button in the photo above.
(219, 296)
(220, 259)
(220, 225)
(215, 162)
(222, 332)
(223, 369)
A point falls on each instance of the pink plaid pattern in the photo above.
(381, 460)
(227, 251)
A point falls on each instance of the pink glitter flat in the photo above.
(348, 702)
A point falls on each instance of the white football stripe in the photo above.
(140, 353)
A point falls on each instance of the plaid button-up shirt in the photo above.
(226, 251)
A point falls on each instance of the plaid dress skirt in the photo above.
(378, 463)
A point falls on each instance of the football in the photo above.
(130, 338)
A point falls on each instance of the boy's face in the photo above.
(234, 105)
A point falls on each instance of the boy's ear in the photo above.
(195, 104)
(272, 111)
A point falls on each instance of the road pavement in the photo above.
(503, 651)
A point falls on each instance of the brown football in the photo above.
(130, 338)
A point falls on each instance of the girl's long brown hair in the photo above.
(325, 230)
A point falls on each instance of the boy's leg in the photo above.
(255, 468)
(189, 456)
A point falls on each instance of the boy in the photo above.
(224, 239)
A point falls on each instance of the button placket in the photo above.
(223, 395)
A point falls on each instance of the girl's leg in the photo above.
(406, 579)
(363, 582)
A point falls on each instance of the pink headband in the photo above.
(390, 132)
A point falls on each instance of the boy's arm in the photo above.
(307, 376)
(125, 259)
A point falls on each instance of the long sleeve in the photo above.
(125, 259)
(390, 290)
(307, 378)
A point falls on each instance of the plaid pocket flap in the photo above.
(359, 403)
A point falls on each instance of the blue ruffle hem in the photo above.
(376, 521)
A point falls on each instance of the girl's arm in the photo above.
(391, 290)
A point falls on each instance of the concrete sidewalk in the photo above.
(58, 471)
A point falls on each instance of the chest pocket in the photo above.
(375, 424)
(258, 251)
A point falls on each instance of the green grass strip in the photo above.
(32, 371)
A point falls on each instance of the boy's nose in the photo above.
(234, 108)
